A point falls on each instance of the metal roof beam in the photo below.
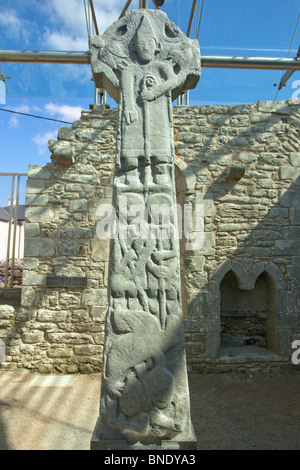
(210, 61)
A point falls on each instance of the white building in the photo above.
(4, 232)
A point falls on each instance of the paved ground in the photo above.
(229, 411)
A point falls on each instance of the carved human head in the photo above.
(146, 44)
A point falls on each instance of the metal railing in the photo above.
(11, 238)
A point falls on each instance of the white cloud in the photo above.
(69, 30)
(14, 119)
(64, 112)
(66, 42)
(13, 122)
(42, 139)
(23, 108)
(14, 26)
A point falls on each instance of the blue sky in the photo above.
(228, 27)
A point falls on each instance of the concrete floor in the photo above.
(229, 411)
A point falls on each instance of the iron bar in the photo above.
(9, 232)
(12, 266)
(245, 62)
(12, 207)
(143, 4)
(94, 17)
(156, 6)
(45, 57)
(207, 61)
(13, 174)
(191, 18)
(125, 9)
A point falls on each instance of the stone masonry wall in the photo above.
(242, 163)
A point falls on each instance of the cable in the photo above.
(198, 19)
(199, 24)
(288, 53)
(33, 115)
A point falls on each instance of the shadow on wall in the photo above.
(250, 272)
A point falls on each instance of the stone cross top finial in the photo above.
(144, 62)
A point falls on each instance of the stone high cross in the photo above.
(144, 62)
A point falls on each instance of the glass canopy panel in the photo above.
(232, 28)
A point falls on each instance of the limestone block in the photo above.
(287, 172)
(39, 214)
(295, 215)
(287, 247)
(31, 278)
(36, 200)
(30, 263)
(31, 229)
(78, 206)
(239, 109)
(35, 186)
(60, 352)
(62, 152)
(32, 337)
(100, 249)
(295, 159)
(67, 248)
(273, 107)
(240, 121)
(39, 246)
(66, 133)
(98, 313)
(52, 315)
(88, 350)
(69, 338)
(7, 312)
(95, 297)
(28, 296)
(38, 172)
(237, 141)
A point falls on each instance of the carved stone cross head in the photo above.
(143, 39)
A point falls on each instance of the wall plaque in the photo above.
(65, 281)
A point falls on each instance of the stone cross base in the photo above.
(99, 442)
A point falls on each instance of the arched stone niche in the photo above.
(248, 298)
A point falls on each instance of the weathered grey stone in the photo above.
(273, 107)
(38, 172)
(98, 313)
(287, 172)
(33, 337)
(36, 200)
(95, 297)
(66, 133)
(62, 152)
(239, 141)
(39, 246)
(32, 229)
(69, 338)
(143, 300)
(78, 206)
(39, 214)
(240, 121)
(31, 278)
(28, 296)
(295, 159)
(35, 186)
(6, 312)
(67, 247)
(52, 315)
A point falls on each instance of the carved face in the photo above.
(146, 48)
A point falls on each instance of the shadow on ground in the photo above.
(229, 411)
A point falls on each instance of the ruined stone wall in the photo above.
(241, 163)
